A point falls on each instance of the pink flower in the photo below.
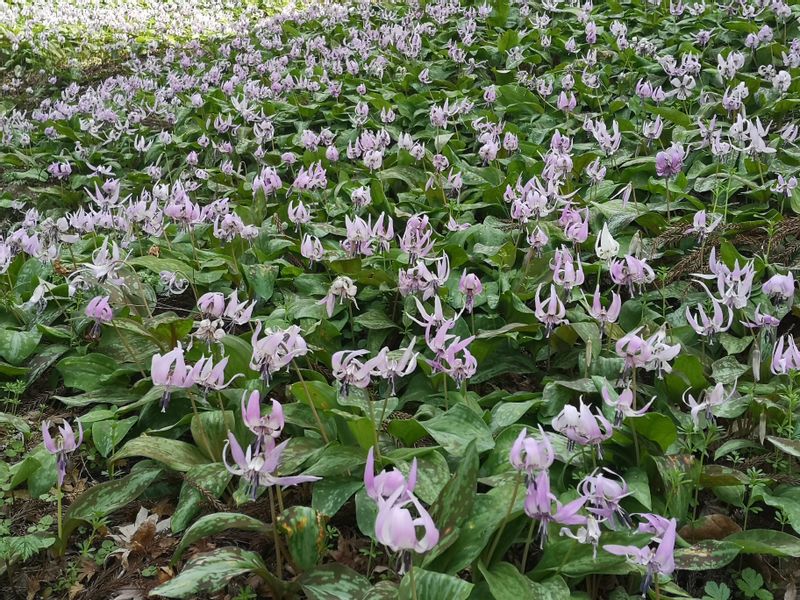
(785, 356)
(624, 405)
(551, 312)
(580, 426)
(657, 561)
(531, 455)
(349, 371)
(259, 469)
(470, 286)
(276, 350)
(210, 376)
(342, 289)
(392, 368)
(398, 528)
(270, 425)
(604, 316)
(100, 311)
(385, 484)
(64, 445)
(238, 312)
(539, 505)
(669, 162)
(212, 304)
(171, 372)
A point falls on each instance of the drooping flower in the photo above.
(710, 326)
(269, 425)
(531, 455)
(602, 315)
(551, 312)
(780, 288)
(542, 505)
(470, 286)
(170, 371)
(211, 376)
(276, 350)
(402, 523)
(581, 426)
(623, 405)
(785, 356)
(212, 304)
(64, 444)
(606, 247)
(669, 162)
(657, 558)
(603, 495)
(259, 468)
(349, 371)
(342, 289)
(391, 368)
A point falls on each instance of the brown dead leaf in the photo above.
(710, 527)
(143, 537)
(74, 590)
(164, 574)
(33, 588)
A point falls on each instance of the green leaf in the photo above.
(210, 432)
(727, 370)
(177, 455)
(429, 585)
(87, 373)
(14, 421)
(456, 428)
(456, 500)
(106, 435)
(766, 541)
(334, 582)
(505, 581)
(216, 523)
(432, 472)
(375, 319)
(16, 346)
(473, 535)
(657, 427)
(201, 483)
(706, 555)
(330, 494)
(639, 484)
(105, 498)
(210, 572)
(569, 558)
(322, 394)
(786, 445)
(303, 529)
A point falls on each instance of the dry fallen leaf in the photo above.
(710, 527)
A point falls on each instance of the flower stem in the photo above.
(59, 495)
(505, 520)
(125, 343)
(311, 403)
(413, 583)
(276, 541)
(374, 428)
(524, 565)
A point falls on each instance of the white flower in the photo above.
(606, 247)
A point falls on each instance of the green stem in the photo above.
(59, 495)
(413, 583)
(374, 428)
(276, 541)
(311, 403)
(528, 540)
(505, 520)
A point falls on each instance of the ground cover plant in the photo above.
(399, 300)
